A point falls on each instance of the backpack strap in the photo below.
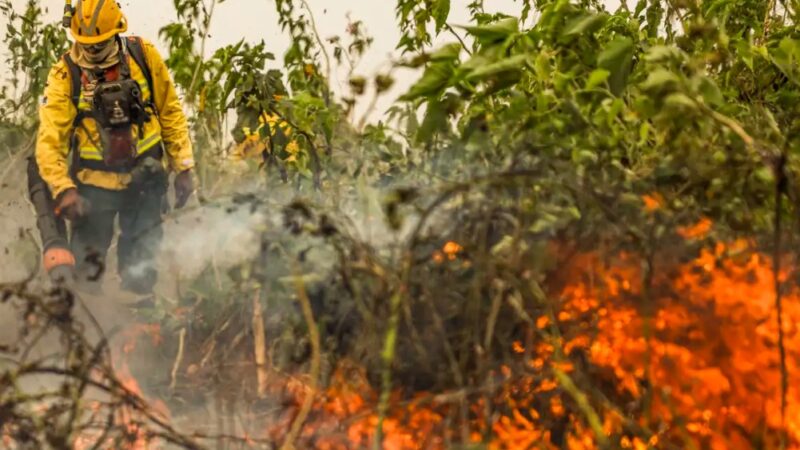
(136, 50)
(76, 88)
(75, 77)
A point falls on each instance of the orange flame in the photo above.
(699, 354)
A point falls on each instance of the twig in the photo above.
(389, 345)
(178, 359)
(458, 36)
(582, 401)
(316, 357)
(259, 344)
(767, 20)
(319, 39)
(780, 186)
(207, 27)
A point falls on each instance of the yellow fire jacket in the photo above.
(57, 113)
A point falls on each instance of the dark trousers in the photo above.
(139, 215)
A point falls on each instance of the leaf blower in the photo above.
(58, 260)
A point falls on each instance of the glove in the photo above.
(71, 205)
(184, 186)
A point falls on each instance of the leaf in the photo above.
(617, 58)
(661, 53)
(475, 63)
(644, 132)
(587, 23)
(659, 80)
(745, 52)
(640, 6)
(680, 100)
(786, 57)
(514, 63)
(546, 222)
(596, 78)
(435, 120)
(495, 31)
(433, 80)
(441, 11)
(584, 156)
(542, 66)
(502, 81)
(448, 52)
(710, 91)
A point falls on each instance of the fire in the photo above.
(652, 202)
(449, 252)
(135, 437)
(693, 365)
(710, 356)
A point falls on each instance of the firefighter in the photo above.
(258, 132)
(255, 142)
(111, 130)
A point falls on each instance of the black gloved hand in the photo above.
(184, 186)
(71, 205)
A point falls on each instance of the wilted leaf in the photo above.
(357, 84)
(383, 82)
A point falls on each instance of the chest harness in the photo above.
(114, 100)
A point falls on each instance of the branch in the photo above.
(178, 359)
(259, 344)
(316, 357)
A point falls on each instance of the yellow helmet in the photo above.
(95, 21)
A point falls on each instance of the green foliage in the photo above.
(31, 49)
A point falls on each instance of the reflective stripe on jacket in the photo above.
(57, 113)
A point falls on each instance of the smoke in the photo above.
(19, 252)
(222, 232)
(219, 235)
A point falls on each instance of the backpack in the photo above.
(133, 46)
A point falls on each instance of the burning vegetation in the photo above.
(576, 230)
(599, 355)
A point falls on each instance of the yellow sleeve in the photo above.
(174, 128)
(56, 114)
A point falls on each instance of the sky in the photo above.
(256, 20)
